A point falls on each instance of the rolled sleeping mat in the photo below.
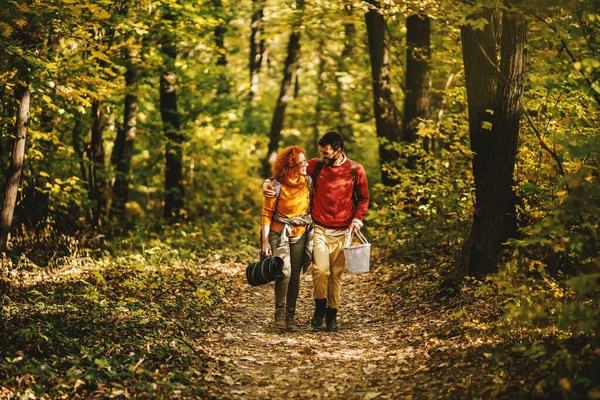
(264, 271)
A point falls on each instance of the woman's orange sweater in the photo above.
(294, 200)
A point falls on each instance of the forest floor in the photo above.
(388, 346)
(151, 325)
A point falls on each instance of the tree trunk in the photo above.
(343, 106)
(318, 105)
(123, 149)
(97, 156)
(13, 174)
(493, 136)
(417, 80)
(257, 48)
(78, 130)
(285, 92)
(171, 127)
(220, 30)
(386, 121)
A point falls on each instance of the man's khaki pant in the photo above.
(329, 264)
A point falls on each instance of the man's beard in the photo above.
(330, 161)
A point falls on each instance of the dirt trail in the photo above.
(376, 354)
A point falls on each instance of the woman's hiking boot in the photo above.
(289, 319)
(317, 319)
(279, 319)
(330, 322)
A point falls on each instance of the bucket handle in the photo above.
(360, 236)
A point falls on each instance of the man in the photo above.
(340, 203)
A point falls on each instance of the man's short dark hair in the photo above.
(333, 139)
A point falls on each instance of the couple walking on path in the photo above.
(311, 209)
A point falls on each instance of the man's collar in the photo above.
(344, 158)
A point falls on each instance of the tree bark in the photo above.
(220, 30)
(172, 128)
(343, 106)
(493, 136)
(123, 149)
(257, 48)
(386, 121)
(13, 174)
(417, 79)
(97, 156)
(285, 92)
(78, 130)
(318, 105)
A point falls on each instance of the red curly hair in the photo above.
(286, 166)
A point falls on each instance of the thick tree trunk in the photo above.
(388, 129)
(97, 156)
(480, 63)
(285, 92)
(172, 129)
(417, 80)
(494, 207)
(13, 174)
(123, 149)
(257, 48)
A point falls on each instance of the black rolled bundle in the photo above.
(264, 271)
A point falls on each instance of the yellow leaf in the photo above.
(6, 29)
(565, 384)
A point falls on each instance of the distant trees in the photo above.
(257, 48)
(417, 94)
(123, 148)
(285, 91)
(174, 189)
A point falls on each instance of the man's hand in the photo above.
(268, 189)
(355, 225)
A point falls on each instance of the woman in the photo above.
(286, 229)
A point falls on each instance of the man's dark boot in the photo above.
(317, 319)
(330, 322)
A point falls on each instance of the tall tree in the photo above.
(13, 174)
(493, 134)
(220, 30)
(343, 106)
(257, 47)
(97, 167)
(123, 149)
(285, 90)
(174, 189)
(319, 102)
(386, 120)
(417, 79)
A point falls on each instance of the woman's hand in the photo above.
(266, 249)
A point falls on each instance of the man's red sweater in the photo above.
(333, 206)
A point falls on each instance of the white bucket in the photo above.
(358, 256)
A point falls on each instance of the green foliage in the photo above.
(432, 201)
(117, 326)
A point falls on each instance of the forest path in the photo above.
(382, 350)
